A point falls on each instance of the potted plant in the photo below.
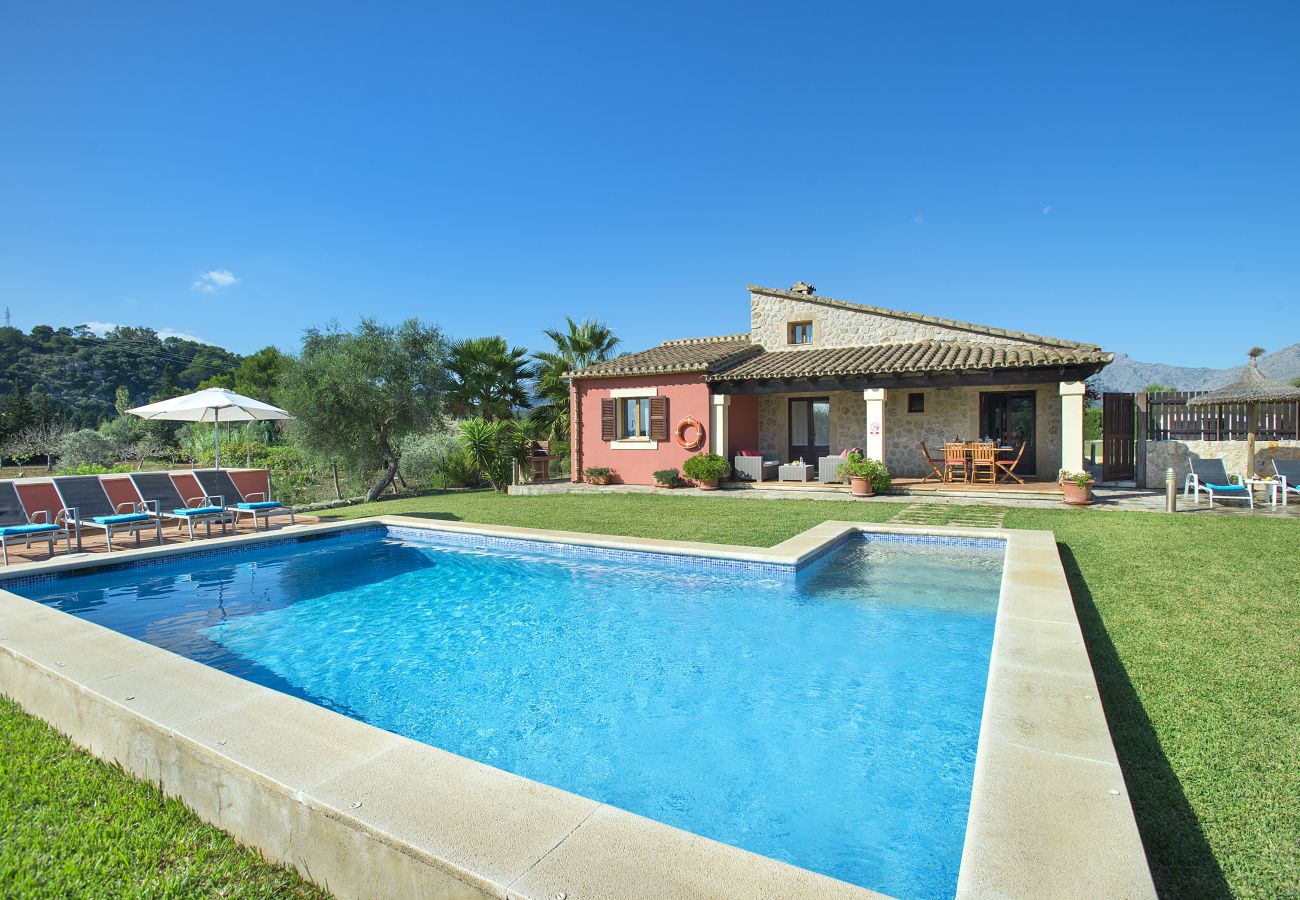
(667, 478)
(598, 474)
(866, 476)
(706, 470)
(1077, 487)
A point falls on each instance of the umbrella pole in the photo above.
(1250, 441)
(216, 435)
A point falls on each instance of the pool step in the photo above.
(950, 514)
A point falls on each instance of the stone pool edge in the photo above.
(332, 796)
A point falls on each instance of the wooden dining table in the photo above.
(1002, 451)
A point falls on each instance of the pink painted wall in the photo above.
(742, 424)
(687, 395)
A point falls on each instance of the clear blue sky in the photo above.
(1120, 173)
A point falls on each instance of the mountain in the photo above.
(1128, 375)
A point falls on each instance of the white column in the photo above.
(1072, 425)
(875, 448)
(719, 431)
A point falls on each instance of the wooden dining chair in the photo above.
(954, 463)
(934, 461)
(984, 459)
(1007, 467)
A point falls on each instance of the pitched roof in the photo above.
(684, 355)
(918, 356)
(918, 317)
(1252, 387)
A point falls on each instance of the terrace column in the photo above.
(719, 434)
(1072, 425)
(875, 448)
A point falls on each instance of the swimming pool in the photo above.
(829, 720)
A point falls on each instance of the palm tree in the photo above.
(491, 378)
(582, 345)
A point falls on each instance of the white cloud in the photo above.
(100, 327)
(918, 219)
(1047, 210)
(213, 281)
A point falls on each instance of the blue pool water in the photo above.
(829, 720)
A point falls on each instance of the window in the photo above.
(801, 332)
(634, 418)
(916, 403)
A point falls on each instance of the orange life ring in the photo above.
(683, 426)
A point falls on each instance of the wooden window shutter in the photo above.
(607, 416)
(658, 418)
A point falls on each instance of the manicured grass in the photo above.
(73, 826)
(1191, 624)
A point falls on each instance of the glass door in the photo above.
(1011, 419)
(810, 429)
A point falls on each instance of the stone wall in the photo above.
(949, 413)
(1163, 454)
(840, 326)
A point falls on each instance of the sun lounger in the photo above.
(18, 527)
(157, 488)
(86, 505)
(1210, 476)
(1288, 474)
(218, 483)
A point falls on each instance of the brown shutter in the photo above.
(658, 418)
(607, 431)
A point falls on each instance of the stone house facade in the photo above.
(815, 376)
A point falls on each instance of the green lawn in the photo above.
(73, 826)
(1191, 623)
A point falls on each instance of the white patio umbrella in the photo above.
(215, 405)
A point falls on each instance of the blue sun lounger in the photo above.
(217, 482)
(17, 527)
(1288, 476)
(158, 490)
(86, 505)
(1210, 476)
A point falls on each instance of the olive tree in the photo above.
(356, 394)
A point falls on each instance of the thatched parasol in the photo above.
(1252, 388)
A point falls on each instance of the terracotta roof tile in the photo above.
(683, 355)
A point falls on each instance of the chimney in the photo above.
(803, 287)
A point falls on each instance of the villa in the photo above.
(815, 376)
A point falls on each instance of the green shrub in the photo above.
(706, 467)
(667, 477)
(93, 469)
(86, 448)
(856, 465)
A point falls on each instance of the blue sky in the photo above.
(1118, 173)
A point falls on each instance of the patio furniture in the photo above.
(755, 468)
(1288, 475)
(158, 488)
(19, 527)
(935, 463)
(86, 504)
(954, 463)
(795, 472)
(1210, 476)
(218, 483)
(1007, 467)
(983, 459)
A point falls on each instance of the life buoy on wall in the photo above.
(688, 424)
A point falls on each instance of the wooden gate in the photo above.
(1118, 437)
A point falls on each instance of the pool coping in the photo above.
(1049, 812)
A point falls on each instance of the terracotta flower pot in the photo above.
(860, 487)
(1075, 495)
(707, 484)
(597, 479)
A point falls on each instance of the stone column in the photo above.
(875, 448)
(1072, 426)
(719, 433)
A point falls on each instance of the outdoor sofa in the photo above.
(827, 465)
(259, 505)
(18, 527)
(158, 489)
(86, 505)
(1210, 476)
(755, 468)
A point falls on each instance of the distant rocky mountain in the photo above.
(1127, 374)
